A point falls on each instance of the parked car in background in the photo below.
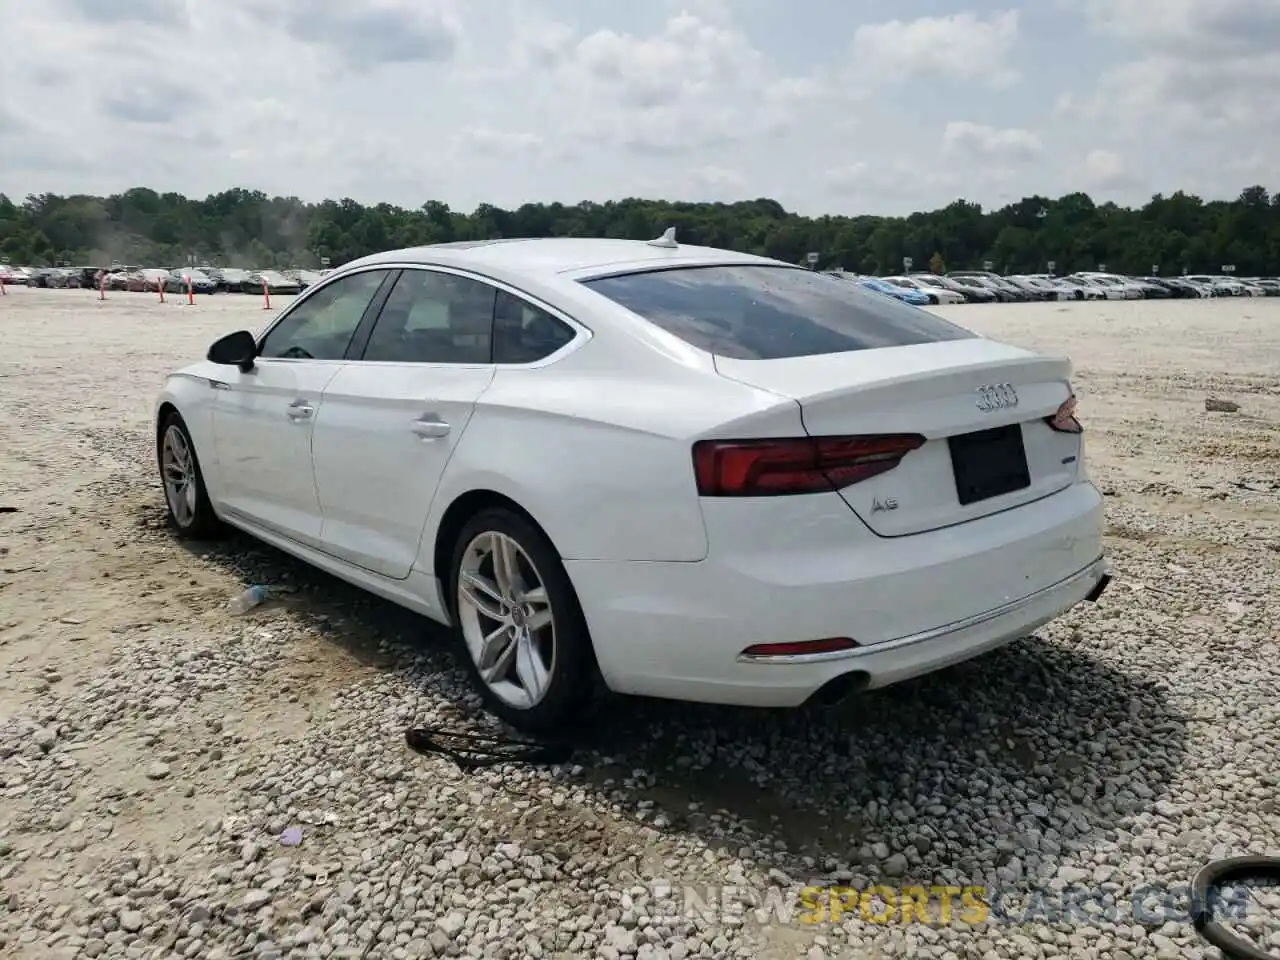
(1268, 286)
(936, 295)
(1207, 289)
(1101, 290)
(916, 298)
(1013, 293)
(1127, 289)
(1175, 287)
(1150, 291)
(148, 279)
(1001, 293)
(230, 279)
(1221, 286)
(118, 279)
(1050, 288)
(43, 277)
(1089, 291)
(418, 427)
(971, 294)
(182, 278)
(307, 278)
(273, 281)
(1033, 288)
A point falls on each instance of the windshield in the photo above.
(766, 312)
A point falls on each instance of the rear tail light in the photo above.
(1064, 421)
(771, 468)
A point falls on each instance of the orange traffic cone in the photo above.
(160, 288)
(191, 293)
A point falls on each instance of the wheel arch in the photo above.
(163, 411)
(455, 517)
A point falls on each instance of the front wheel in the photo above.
(527, 646)
(190, 512)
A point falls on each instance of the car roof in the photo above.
(580, 257)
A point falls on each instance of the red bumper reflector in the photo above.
(828, 645)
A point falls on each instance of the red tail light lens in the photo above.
(771, 468)
(1064, 421)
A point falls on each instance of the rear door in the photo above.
(392, 418)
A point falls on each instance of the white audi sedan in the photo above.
(685, 472)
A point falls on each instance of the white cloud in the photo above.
(1227, 27)
(507, 101)
(1104, 170)
(1199, 78)
(487, 141)
(987, 143)
(962, 46)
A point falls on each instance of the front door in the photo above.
(263, 418)
(262, 423)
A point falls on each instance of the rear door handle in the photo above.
(300, 410)
(429, 426)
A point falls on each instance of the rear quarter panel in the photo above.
(603, 462)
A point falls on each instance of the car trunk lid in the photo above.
(982, 407)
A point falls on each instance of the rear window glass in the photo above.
(769, 313)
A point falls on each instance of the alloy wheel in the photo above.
(506, 619)
(177, 466)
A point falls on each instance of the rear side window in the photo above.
(523, 333)
(769, 313)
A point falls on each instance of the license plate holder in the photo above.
(989, 463)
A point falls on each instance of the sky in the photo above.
(828, 107)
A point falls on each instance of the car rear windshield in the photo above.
(769, 313)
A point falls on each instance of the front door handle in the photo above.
(429, 426)
(300, 410)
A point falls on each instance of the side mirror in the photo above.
(235, 350)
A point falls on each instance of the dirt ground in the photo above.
(165, 717)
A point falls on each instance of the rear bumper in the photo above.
(678, 630)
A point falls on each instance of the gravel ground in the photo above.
(155, 752)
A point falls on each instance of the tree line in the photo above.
(246, 228)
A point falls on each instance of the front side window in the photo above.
(321, 326)
(767, 312)
(433, 317)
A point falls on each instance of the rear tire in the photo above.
(186, 499)
(524, 637)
